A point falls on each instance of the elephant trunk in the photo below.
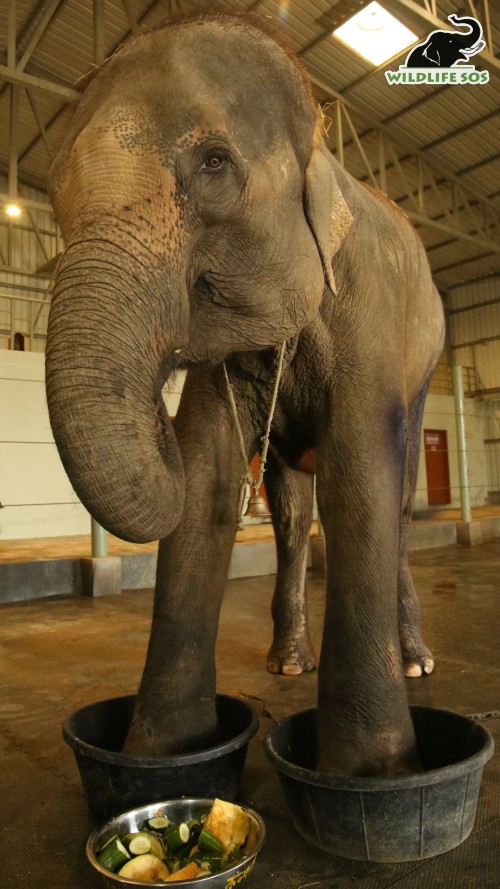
(108, 354)
(471, 37)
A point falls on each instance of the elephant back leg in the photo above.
(290, 495)
(417, 658)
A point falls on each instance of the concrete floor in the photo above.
(57, 655)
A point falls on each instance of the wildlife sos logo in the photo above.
(441, 58)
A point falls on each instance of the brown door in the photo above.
(436, 464)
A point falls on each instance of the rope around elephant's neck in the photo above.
(248, 478)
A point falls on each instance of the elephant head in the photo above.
(196, 203)
(446, 48)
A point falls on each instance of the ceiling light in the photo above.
(13, 210)
(375, 34)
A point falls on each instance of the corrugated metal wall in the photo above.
(30, 250)
(474, 324)
(475, 331)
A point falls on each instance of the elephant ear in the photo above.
(326, 211)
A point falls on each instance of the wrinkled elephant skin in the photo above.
(205, 219)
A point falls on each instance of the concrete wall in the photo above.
(34, 488)
(40, 501)
(439, 413)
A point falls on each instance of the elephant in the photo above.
(206, 223)
(447, 48)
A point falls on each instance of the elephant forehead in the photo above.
(169, 78)
(145, 134)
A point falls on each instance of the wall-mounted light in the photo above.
(13, 210)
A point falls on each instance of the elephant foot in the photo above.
(291, 656)
(417, 660)
(166, 732)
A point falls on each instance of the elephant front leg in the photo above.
(290, 495)
(175, 711)
(364, 725)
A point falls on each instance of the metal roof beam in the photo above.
(461, 130)
(472, 306)
(455, 265)
(477, 166)
(41, 128)
(460, 219)
(11, 75)
(26, 202)
(11, 34)
(487, 277)
(423, 220)
(51, 9)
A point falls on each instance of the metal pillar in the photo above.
(99, 535)
(99, 540)
(458, 393)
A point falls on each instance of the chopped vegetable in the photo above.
(186, 873)
(159, 822)
(208, 842)
(145, 867)
(140, 845)
(113, 855)
(211, 861)
(229, 823)
(142, 842)
(177, 836)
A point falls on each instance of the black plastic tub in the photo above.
(404, 818)
(115, 782)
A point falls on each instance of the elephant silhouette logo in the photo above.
(445, 49)
(444, 56)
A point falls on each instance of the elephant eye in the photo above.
(214, 161)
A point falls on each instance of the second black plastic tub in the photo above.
(114, 781)
(403, 818)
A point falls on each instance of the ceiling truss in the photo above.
(430, 198)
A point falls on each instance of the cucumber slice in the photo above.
(177, 836)
(208, 842)
(159, 822)
(113, 856)
(139, 845)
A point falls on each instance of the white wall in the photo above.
(439, 413)
(38, 496)
(34, 488)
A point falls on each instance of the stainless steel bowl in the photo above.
(175, 810)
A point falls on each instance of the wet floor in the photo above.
(57, 655)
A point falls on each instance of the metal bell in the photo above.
(257, 507)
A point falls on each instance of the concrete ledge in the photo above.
(101, 577)
(23, 581)
(469, 533)
(490, 528)
(138, 571)
(253, 560)
(429, 535)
